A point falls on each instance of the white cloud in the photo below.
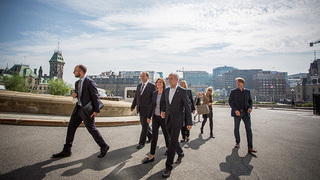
(168, 35)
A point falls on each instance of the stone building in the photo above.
(310, 85)
(268, 85)
(36, 81)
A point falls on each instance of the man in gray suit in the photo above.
(240, 102)
(85, 91)
(176, 107)
(142, 101)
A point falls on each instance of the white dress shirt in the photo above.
(171, 93)
(144, 87)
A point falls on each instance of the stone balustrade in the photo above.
(12, 101)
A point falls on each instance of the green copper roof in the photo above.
(22, 70)
(57, 57)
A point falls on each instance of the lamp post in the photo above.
(272, 87)
(292, 98)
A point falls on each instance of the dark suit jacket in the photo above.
(143, 101)
(179, 110)
(89, 93)
(189, 92)
(234, 100)
(154, 103)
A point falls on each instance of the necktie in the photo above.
(79, 92)
(141, 89)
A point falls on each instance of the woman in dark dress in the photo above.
(157, 121)
(184, 131)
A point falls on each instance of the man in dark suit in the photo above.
(241, 106)
(142, 101)
(85, 91)
(176, 106)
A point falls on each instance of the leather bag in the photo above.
(203, 109)
(88, 109)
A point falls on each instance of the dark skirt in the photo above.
(210, 115)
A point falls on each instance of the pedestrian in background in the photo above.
(207, 99)
(142, 102)
(184, 131)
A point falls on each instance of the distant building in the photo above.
(229, 78)
(217, 76)
(115, 83)
(294, 79)
(269, 84)
(37, 81)
(196, 78)
(309, 85)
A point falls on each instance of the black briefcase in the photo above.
(88, 109)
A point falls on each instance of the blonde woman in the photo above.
(184, 131)
(207, 98)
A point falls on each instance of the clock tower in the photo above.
(56, 65)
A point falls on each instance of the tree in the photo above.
(15, 83)
(58, 87)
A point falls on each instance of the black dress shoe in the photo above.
(148, 141)
(140, 146)
(103, 151)
(61, 154)
(166, 153)
(147, 160)
(166, 173)
(201, 130)
(179, 159)
(211, 135)
(183, 140)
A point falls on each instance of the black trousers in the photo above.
(205, 117)
(185, 132)
(145, 131)
(247, 122)
(174, 145)
(157, 122)
(75, 122)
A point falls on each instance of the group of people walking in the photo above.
(167, 107)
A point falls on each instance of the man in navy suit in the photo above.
(176, 106)
(85, 91)
(142, 101)
(240, 102)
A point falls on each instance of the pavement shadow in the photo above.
(237, 166)
(137, 171)
(196, 143)
(39, 170)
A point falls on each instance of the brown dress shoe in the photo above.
(179, 159)
(166, 173)
(251, 150)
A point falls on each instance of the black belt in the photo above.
(241, 110)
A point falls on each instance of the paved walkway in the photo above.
(287, 142)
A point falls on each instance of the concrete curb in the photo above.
(62, 123)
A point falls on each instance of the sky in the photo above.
(160, 35)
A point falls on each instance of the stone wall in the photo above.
(12, 101)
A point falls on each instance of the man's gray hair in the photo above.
(175, 75)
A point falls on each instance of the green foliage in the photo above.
(58, 87)
(304, 104)
(15, 83)
(223, 101)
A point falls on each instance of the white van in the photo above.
(129, 93)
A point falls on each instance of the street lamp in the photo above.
(292, 98)
(272, 87)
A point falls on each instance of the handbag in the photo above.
(88, 109)
(203, 109)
